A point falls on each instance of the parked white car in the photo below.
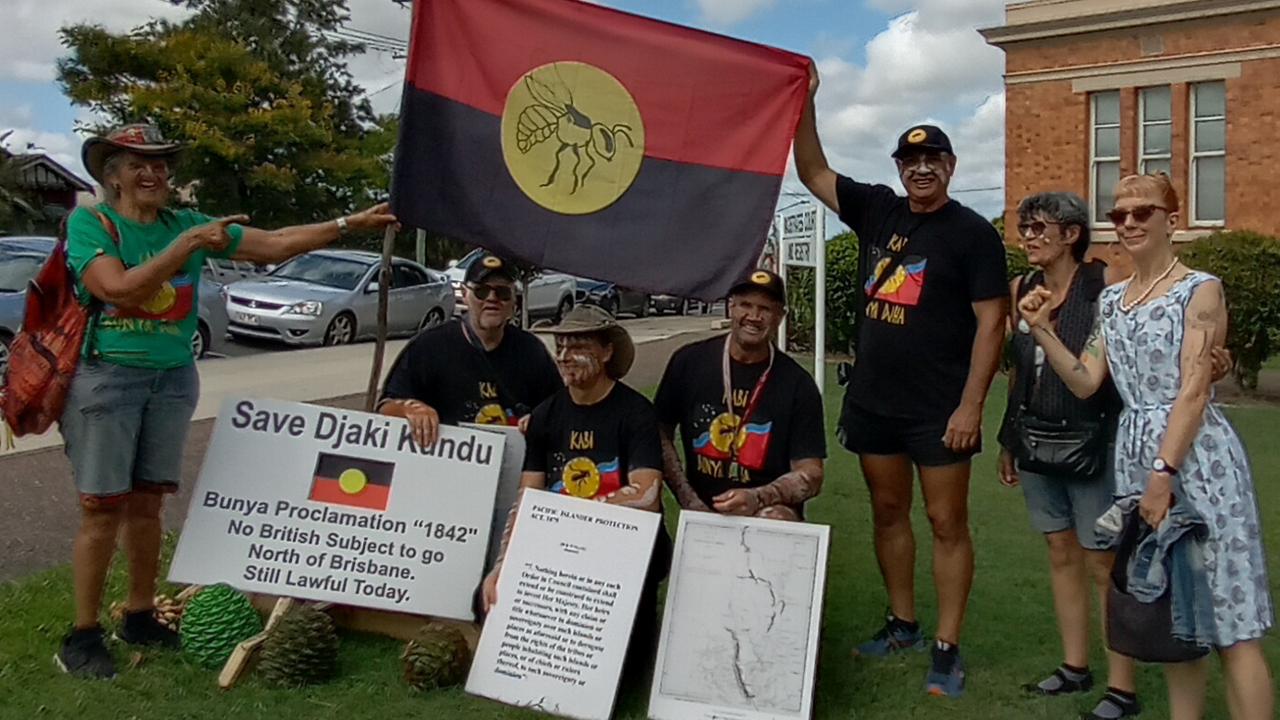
(550, 294)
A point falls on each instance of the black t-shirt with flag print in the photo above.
(465, 383)
(786, 424)
(587, 450)
(916, 336)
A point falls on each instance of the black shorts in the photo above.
(867, 433)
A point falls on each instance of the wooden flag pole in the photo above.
(384, 280)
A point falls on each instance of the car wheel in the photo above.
(431, 319)
(5, 341)
(200, 340)
(341, 330)
(562, 309)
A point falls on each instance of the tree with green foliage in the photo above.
(274, 125)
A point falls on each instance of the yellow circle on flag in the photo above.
(352, 481)
(723, 430)
(760, 278)
(917, 136)
(572, 137)
(581, 477)
(162, 301)
(491, 415)
(492, 262)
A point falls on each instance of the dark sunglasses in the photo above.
(1035, 228)
(1141, 213)
(503, 292)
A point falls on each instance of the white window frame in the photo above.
(1193, 155)
(1094, 159)
(1143, 123)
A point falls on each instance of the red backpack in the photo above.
(46, 351)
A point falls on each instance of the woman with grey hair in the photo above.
(137, 267)
(1063, 500)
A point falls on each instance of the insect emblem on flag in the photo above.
(572, 137)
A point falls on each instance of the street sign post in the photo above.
(804, 245)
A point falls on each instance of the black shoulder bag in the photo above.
(1075, 448)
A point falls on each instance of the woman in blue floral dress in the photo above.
(1155, 336)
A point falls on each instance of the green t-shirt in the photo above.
(158, 334)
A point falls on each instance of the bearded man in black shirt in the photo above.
(478, 369)
(750, 417)
(929, 335)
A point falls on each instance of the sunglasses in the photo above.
(1035, 228)
(504, 293)
(1140, 213)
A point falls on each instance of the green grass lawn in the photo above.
(1010, 636)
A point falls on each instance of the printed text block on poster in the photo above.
(567, 599)
(341, 506)
(741, 621)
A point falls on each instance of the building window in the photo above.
(1155, 131)
(1208, 153)
(1104, 153)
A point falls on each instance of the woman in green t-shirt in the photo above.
(137, 262)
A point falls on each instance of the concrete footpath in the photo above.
(38, 503)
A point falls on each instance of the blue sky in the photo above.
(885, 64)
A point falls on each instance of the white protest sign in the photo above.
(508, 485)
(742, 618)
(800, 237)
(567, 598)
(341, 506)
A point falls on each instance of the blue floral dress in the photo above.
(1143, 351)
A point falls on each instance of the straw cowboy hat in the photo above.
(140, 139)
(589, 319)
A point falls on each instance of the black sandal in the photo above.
(1066, 686)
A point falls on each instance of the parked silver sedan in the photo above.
(330, 297)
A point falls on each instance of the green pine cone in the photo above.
(301, 650)
(438, 658)
(216, 620)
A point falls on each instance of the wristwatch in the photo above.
(1161, 466)
(343, 228)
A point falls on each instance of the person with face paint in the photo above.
(478, 369)
(928, 337)
(750, 417)
(597, 439)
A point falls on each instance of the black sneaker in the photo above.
(84, 655)
(142, 628)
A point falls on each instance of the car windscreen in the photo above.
(323, 270)
(17, 269)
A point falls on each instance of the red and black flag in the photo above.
(595, 142)
(345, 480)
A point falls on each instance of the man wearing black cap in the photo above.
(750, 418)
(928, 340)
(479, 368)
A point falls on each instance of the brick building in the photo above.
(1098, 89)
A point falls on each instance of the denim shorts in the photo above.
(1057, 503)
(124, 428)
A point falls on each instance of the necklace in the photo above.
(1128, 307)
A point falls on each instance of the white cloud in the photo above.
(728, 12)
(62, 147)
(929, 65)
(32, 45)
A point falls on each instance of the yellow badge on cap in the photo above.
(492, 262)
(761, 278)
(917, 136)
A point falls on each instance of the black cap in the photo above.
(488, 264)
(765, 281)
(927, 137)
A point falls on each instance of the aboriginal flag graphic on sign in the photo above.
(587, 140)
(346, 480)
